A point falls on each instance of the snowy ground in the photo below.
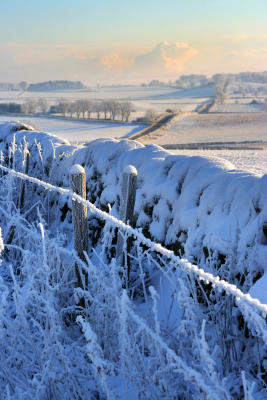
(77, 131)
(240, 107)
(116, 92)
(161, 105)
(196, 128)
(248, 160)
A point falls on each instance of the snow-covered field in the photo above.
(240, 107)
(161, 105)
(202, 128)
(116, 93)
(248, 160)
(77, 132)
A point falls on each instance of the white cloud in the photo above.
(54, 61)
(115, 61)
(166, 59)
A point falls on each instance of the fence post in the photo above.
(20, 201)
(126, 211)
(20, 198)
(79, 220)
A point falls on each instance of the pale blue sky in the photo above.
(114, 32)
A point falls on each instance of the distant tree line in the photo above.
(256, 77)
(184, 82)
(55, 85)
(106, 109)
(195, 80)
(10, 108)
(43, 86)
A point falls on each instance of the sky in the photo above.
(121, 41)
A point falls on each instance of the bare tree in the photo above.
(222, 88)
(97, 107)
(125, 109)
(83, 106)
(43, 105)
(30, 106)
(71, 109)
(77, 107)
(106, 108)
(89, 107)
(63, 107)
(114, 109)
(150, 115)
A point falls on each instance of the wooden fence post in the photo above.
(79, 220)
(126, 210)
(20, 200)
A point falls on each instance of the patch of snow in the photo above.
(130, 170)
(259, 289)
(77, 169)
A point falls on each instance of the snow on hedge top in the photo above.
(45, 149)
(11, 127)
(77, 169)
(130, 170)
(8, 127)
(198, 201)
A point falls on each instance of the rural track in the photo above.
(159, 126)
(166, 120)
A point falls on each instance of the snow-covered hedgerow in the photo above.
(201, 208)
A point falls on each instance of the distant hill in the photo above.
(55, 85)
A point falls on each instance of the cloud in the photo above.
(62, 61)
(175, 56)
(165, 57)
(115, 61)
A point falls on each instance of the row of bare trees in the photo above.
(106, 109)
(32, 106)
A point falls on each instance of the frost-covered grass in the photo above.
(128, 348)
